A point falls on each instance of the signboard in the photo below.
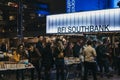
(70, 5)
(87, 5)
(91, 21)
(115, 2)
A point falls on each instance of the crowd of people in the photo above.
(98, 56)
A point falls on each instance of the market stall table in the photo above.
(18, 67)
(71, 64)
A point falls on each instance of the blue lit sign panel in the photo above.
(115, 3)
(88, 5)
(91, 21)
(71, 5)
(43, 9)
(82, 5)
(42, 12)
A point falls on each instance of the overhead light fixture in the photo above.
(11, 18)
(12, 4)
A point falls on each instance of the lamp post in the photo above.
(20, 22)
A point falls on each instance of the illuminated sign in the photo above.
(115, 3)
(91, 21)
(87, 5)
(43, 9)
(70, 6)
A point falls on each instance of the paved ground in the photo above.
(11, 76)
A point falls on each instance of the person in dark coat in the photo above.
(119, 57)
(59, 60)
(68, 51)
(3, 47)
(39, 44)
(102, 58)
(47, 60)
(76, 49)
(34, 58)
